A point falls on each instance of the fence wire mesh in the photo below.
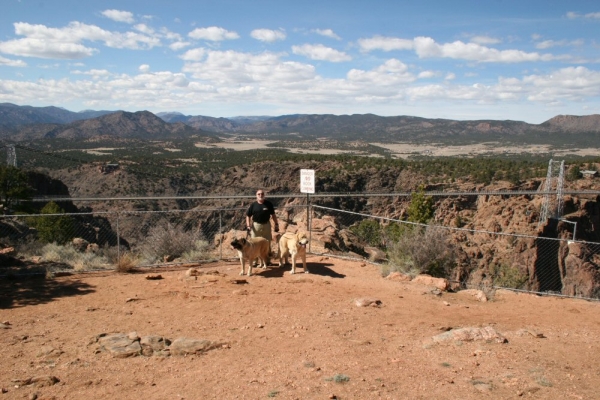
(66, 242)
(469, 258)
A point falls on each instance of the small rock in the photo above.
(154, 277)
(366, 302)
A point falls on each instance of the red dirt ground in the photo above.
(291, 337)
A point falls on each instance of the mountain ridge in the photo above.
(18, 122)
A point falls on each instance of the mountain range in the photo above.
(27, 123)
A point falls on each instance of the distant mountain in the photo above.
(244, 120)
(18, 122)
(12, 115)
(120, 124)
(201, 122)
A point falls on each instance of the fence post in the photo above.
(118, 242)
(308, 221)
(220, 234)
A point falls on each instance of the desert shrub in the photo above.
(507, 276)
(68, 255)
(393, 231)
(423, 250)
(126, 262)
(200, 251)
(168, 241)
(369, 231)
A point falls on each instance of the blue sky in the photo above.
(524, 60)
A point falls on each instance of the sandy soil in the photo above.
(407, 150)
(291, 337)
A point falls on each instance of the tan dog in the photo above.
(293, 245)
(251, 249)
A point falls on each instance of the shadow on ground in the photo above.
(315, 268)
(26, 290)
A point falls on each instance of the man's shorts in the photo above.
(261, 230)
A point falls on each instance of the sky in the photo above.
(526, 60)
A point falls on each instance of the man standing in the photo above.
(258, 218)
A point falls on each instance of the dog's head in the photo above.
(238, 244)
(302, 239)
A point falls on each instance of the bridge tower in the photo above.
(11, 155)
(552, 207)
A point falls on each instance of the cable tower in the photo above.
(553, 207)
(11, 155)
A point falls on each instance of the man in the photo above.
(258, 218)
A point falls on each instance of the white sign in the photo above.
(307, 181)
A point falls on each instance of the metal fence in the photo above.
(57, 243)
(471, 258)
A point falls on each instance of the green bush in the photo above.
(421, 208)
(369, 231)
(508, 277)
(53, 227)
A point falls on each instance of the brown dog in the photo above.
(251, 249)
(293, 245)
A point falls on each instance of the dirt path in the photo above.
(291, 337)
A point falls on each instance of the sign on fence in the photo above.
(307, 181)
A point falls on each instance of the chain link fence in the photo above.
(468, 258)
(75, 242)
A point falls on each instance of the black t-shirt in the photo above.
(261, 212)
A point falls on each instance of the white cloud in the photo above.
(320, 52)
(65, 43)
(575, 15)
(144, 68)
(485, 40)
(327, 33)
(546, 44)
(144, 29)
(392, 72)
(31, 47)
(12, 63)
(230, 69)
(426, 47)
(427, 74)
(268, 35)
(179, 45)
(96, 73)
(194, 54)
(450, 76)
(572, 83)
(385, 44)
(119, 16)
(213, 33)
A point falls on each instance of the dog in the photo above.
(293, 245)
(251, 249)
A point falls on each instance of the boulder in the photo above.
(440, 283)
